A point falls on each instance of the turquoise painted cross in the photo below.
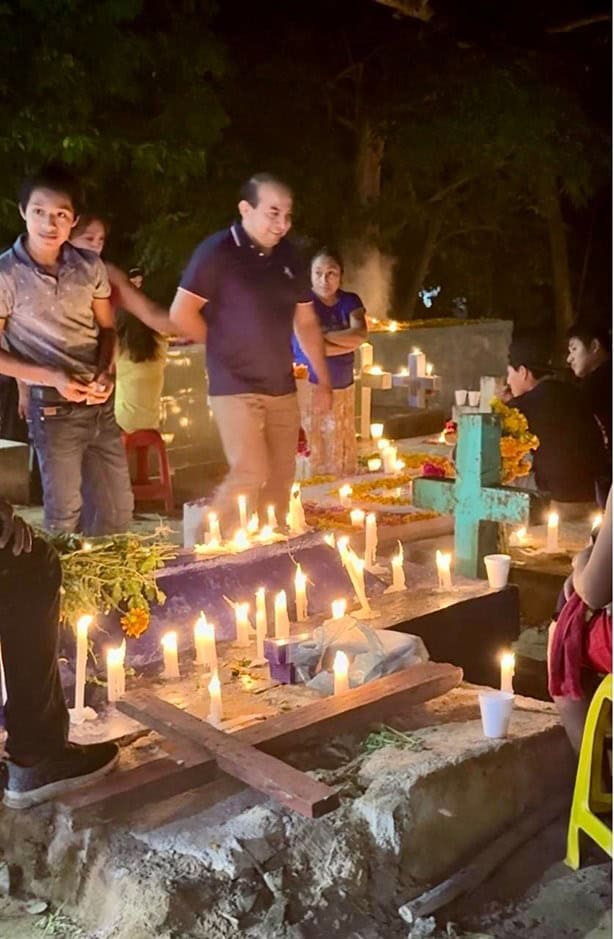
(475, 497)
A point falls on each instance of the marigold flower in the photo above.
(135, 622)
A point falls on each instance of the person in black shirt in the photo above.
(571, 455)
(590, 360)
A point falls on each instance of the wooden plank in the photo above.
(390, 695)
(263, 772)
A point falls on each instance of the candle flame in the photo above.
(553, 519)
(393, 326)
(254, 524)
(597, 520)
(429, 368)
(341, 663)
(117, 654)
(241, 540)
(214, 685)
(383, 444)
(338, 608)
(345, 491)
(403, 371)
(374, 464)
(508, 660)
(443, 560)
(169, 641)
(442, 437)
(375, 370)
(377, 431)
(83, 624)
(329, 539)
(300, 579)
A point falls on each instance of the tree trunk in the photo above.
(424, 261)
(369, 163)
(557, 234)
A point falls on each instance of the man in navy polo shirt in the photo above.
(244, 292)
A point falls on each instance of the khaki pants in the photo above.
(259, 435)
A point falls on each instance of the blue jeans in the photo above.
(86, 482)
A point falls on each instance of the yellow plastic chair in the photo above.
(589, 796)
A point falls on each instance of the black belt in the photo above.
(46, 393)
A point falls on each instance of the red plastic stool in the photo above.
(143, 488)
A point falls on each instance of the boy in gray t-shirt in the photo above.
(56, 322)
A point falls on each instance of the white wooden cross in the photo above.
(418, 378)
(370, 376)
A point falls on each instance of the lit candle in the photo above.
(215, 700)
(345, 494)
(300, 593)
(389, 456)
(375, 370)
(442, 437)
(393, 326)
(443, 569)
(341, 668)
(370, 540)
(356, 570)
(171, 661)
(242, 624)
(429, 369)
(596, 521)
(508, 662)
(399, 466)
(204, 641)
(518, 537)
(398, 573)
(242, 511)
(116, 678)
(271, 517)
(254, 524)
(383, 444)
(403, 371)
(366, 355)
(377, 431)
(552, 536)
(338, 608)
(261, 622)
(296, 515)
(83, 625)
(282, 623)
(329, 539)
(374, 464)
(265, 534)
(214, 528)
(357, 518)
(240, 541)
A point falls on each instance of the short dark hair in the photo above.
(58, 178)
(136, 272)
(530, 350)
(586, 330)
(86, 219)
(332, 253)
(250, 189)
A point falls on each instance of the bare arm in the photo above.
(592, 577)
(137, 302)
(187, 317)
(103, 314)
(341, 341)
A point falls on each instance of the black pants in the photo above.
(35, 712)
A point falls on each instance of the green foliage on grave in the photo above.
(389, 737)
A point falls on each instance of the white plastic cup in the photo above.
(497, 569)
(474, 398)
(460, 397)
(496, 710)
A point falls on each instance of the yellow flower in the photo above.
(135, 622)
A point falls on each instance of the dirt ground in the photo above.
(533, 896)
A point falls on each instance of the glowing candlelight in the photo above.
(552, 536)
(441, 438)
(370, 540)
(398, 573)
(375, 370)
(261, 622)
(215, 700)
(596, 521)
(403, 371)
(116, 677)
(345, 494)
(377, 431)
(171, 660)
(393, 326)
(357, 518)
(383, 444)
(341, 669)
(399, 466)
(282, 623)
(389, 456)
(214, 528)
(242, 623)
(508, 663)
(416, 363)
(271, 517)
(265, 533)
(374, 464)
(242, 511)
(300, 594)
(329, 539)
(338, 608)
(83, 624)
(518, 537)
(296, 515)
(254, 524)
(429, 369)
(240, 541)
(204, 642)
(366, 355)
(443, 569)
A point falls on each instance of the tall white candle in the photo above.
(271, 517)
(374, 464)
(300, 593)
(345, 494)
(204, 641)
(296, 514)
(416, 364)
(282, 623)
(389, 457)
(443, 569)
(398, 573)
(357, 518)
(341, 668)
(377, 431)
(215, 700)
(171, 660)
(261, 622)
(356, 571)
(552, 537)
(242, 511)
(215, 534)
(370, 540)
(254, 524)
(83, 625)
(508, 664)
(116, 677)
(242, 623)
(240, 541)
(338, 608)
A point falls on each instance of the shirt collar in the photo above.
(242, 240)
(66, 254)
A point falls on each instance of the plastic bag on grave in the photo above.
(372, 653)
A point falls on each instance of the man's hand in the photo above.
(13, 527)
(23, 399)
(73, 389)
(322, 399)
(100, 390)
